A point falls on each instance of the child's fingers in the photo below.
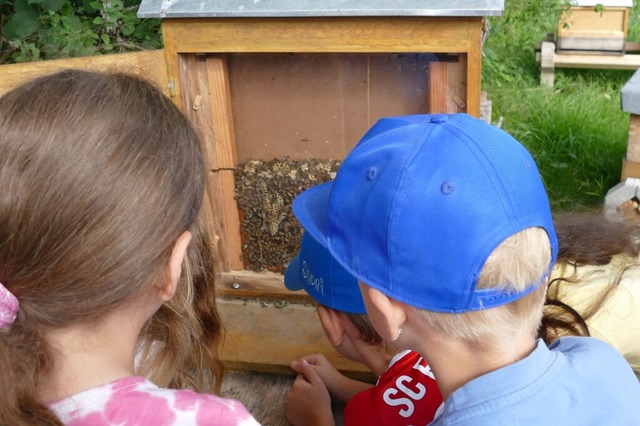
(308, 404)
(310, 373)
(314, 359)
(297, 366)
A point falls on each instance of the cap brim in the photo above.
(310, 208)
(292, 275)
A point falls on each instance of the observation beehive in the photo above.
(280, 92)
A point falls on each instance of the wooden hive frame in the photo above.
(256, 309)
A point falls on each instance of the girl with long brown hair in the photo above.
(101, 184)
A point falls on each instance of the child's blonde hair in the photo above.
(99, 175)
(521, 260)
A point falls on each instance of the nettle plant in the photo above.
(32, 30)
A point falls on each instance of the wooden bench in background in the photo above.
(550, 59)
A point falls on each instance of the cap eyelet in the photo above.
(371, 174)
(447, 188)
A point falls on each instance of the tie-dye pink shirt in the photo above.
(137, 401)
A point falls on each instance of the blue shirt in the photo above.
(576, 381)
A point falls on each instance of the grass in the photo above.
(577, 132)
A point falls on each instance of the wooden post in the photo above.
(630, 102)
(206, 101)
(547, 67)
(633, 141)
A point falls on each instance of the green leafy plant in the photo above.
(48, 29)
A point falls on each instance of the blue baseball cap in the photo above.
(420, 203)
(317, 272)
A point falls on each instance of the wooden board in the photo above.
(206, 101)
(335, 35)
(604, 43)
(149, 64)
(630, 170)
(585, 28)
(633, 140)
(586, 20)
(306, 106)
(623, 62)
(550, 59)
(267, 335)
(447, 85)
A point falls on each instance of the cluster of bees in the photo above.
(264, 193)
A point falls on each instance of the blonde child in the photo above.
(446, 224)
(405, 392)
(102, 182)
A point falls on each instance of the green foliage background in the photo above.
(47, 29)
(576, 131)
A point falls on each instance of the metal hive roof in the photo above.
(315, 8)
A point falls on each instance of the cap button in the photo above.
(440, 118)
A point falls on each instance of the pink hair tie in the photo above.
(9, 306)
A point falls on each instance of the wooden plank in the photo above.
(621, 62)
(250, 284)
(223, 222)
(231, 219)
(375, 34)
(633, 141)
(202, 100)
(148, 64)
(587, 19)
(222, 116)
(605, 44)
(547, 64)
(437, 87)
(606, 33)
(266, 335)
(630, 169)
(625, 62)
(215, 222)
(172, 64)
(474, 73)
(448, 85)
(197, 103)
(632, 46)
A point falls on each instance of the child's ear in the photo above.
(175, 265)
(332, 325)
(386, 314)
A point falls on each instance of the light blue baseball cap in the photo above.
(315, 271)
(421, 202)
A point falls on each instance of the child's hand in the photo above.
(329, 375)
(308, 402)
(340, 387)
